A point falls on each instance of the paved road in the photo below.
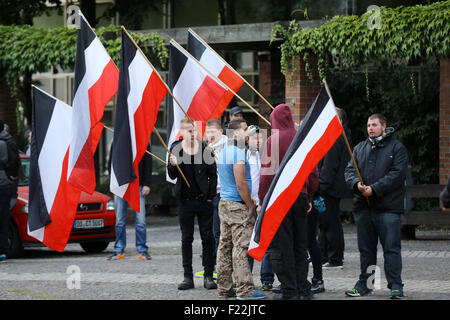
(42, 274)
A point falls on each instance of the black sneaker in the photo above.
(317, 287)
(397, 294)
(188, 283)
(355, 293)
(330, 265)
(209, 283)
(277, 289)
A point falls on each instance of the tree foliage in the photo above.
(404, 36)
(25, 50)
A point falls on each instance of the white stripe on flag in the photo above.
(294, 164)
(190, 80)
(53, 152)
(37, 234)
(211, 62)
(114, 185)
(139, 72)
(96, 59)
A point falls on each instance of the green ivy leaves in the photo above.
(407, 35)
(25, 49)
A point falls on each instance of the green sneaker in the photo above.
(396, 294)
(355, 293)
(201, 274)
(267, 286)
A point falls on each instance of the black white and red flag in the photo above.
(320, 129)
(201, 51)
(52, 200)
(95, 83)
(198, 92)
(139, 96)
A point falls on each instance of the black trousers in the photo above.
(331, 237)
(188, 210)
(5, 198)
(288, 251)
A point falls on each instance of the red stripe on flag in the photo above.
(102, 91)
(280, 207)
(144, 122)
(62, 213)
(83, 173)
(205, 101)
(234, 82)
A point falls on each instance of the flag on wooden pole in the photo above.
(139, 96)
(320, 129)
(96, 80)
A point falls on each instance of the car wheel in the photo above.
(14, 243)
(95, 246)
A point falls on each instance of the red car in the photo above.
(94, 225)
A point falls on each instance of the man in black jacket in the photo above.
(332, 188)
(9, 172)
(378, 203)
(199, 168)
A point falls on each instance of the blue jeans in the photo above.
(371, 226)
(267, 274)
(139, 221)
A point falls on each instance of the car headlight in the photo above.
(25, 209)
(110, 205)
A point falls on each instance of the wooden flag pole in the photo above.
(162, 141)
(168, 90)
(156, 157)
(347, 143)
(223, 84)
(246, 82)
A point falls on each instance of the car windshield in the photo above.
(24, 174)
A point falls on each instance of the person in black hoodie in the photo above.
(200, 170)
(378, 203)
(445, 197)
(9, 172)
(332, 188)
(145, 175)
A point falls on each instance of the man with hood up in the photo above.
(288, 250)
(378, 204)
(9, 175)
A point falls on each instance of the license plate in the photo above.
(88, 224)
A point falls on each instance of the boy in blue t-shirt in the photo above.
(236, 212)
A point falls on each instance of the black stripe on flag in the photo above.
(43, 106)
(84, 39)
(195, 46)
(177, 61)
(121, 151)
(311, 117)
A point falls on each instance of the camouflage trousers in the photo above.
(236, 227)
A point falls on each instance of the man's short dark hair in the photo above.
(236, 124)
(214, 123)
(2, 125)
(378, 116)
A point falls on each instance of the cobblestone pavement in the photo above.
(43, 274)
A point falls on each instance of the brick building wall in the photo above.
(301, 90)
(444, 121)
